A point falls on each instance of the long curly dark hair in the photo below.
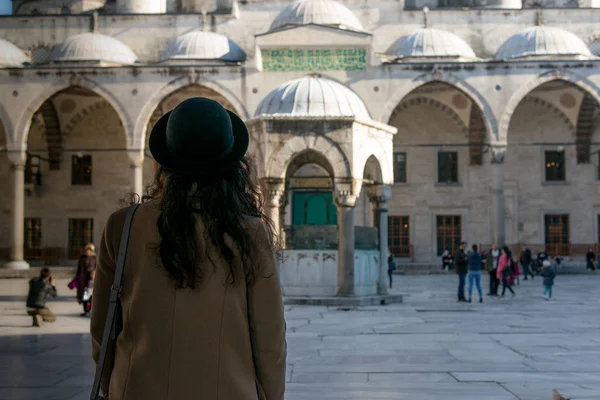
(222, 203)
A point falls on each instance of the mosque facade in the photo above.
(428, 121)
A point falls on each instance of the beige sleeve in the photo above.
(267, 323)
(105, 272)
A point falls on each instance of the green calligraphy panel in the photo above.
(314, 59)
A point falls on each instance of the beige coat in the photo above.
(215, 342)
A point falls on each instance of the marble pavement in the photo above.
(428, 348)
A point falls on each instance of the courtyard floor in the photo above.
(429, 347)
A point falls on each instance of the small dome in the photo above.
(199, 45)
(431, 43)
(320, 12)
(543, 41)
(313, 96)
(11, 55)
(93, 47)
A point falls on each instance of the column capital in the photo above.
(136, 157)
(18, 158)
(379, 194)
(498, 152)
(274, 191)
(346, 192)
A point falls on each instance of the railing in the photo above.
(556, 249)
(45, 255)
(404, 252)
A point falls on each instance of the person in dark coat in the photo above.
(526, 259)
(491, 266)
(39, 290)
(460, 263)
(87, 265)
(590, 260)
(549, 273)
(391, 266)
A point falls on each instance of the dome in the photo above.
(543, 41)
(11, 55)
(199, 45)
(431, 43)
(93, 47)
(320, 12)
(313, 96)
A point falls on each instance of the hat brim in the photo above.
(157, 144)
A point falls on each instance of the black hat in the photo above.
(199, 137)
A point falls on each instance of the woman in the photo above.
(475, 265)
(505, 270)
(85, 268)
(391, 266)
(202, 305)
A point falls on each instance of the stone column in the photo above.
(345, 202)
(136, 158)
(380, 195)
(274, 191)
(499, 222)
(17, 261)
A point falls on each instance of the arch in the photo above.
(550, 107)
(372, 170)
(433, 103)
(282, 157)
(553, 75)
(451, 80)
(141, 124)
(54, 139)
(24, 121)
(307, 157)
(6, 123)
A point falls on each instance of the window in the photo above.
(399, 167)
(555, 166)
(33, 233)
(448, 232)
(81, 232)
(448, 167)
(32, 170)
(556, 228)
(399, 236)
(81, 170)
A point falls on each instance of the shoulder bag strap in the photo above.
(115, 296)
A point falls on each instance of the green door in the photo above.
(314, 208)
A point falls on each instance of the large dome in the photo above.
(430, 43)
(313, 96)
(93, 47)
(199, 45)
(11, 55)
(320, 12)
(543, 41)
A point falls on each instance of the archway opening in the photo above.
(76, 172)
(309, 190)
(551, 161)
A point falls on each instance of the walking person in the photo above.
(391, 266)
(475, 264)
(506, 271)
(460, 263)
(202, 308)
(85, 268)
(590, 260)
(39, 290)
(86, 298)
(491, 264)
(548, 273)
(526, 259)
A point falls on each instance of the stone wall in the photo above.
(315, 272)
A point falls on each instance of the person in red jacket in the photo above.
(506, 270)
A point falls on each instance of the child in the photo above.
(86, 298)
(549, 273)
